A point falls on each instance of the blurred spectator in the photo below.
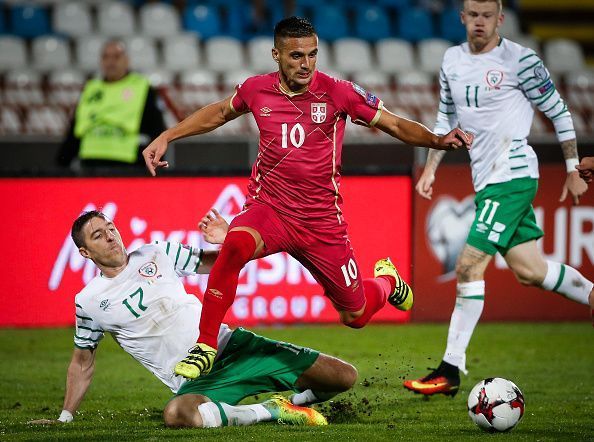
(116, 116)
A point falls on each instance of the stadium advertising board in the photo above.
(42, 269)
(440, 230)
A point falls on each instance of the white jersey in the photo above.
(146, 309)
(492, 95)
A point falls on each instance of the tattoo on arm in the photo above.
(569, 149)
(434, 158)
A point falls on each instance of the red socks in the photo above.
(237, 250)
(376, 294)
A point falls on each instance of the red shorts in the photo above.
(326, 253)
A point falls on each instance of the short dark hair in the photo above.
(79, 223)
(292, 27)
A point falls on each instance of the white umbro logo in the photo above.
(265, 111)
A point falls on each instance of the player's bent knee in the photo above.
(171, 414)
(348, 376)
(182, 411)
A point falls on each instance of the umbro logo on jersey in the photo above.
(148, 270)
(265, 111)
(215, 293)
(104, 304)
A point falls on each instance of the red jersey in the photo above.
(297, 171)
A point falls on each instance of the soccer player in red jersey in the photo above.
(294, 203)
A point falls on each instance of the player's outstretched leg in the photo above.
(198, 362)
(284, 412)
(194, 410)
(238, 248)
(402, 297)
(445, 379)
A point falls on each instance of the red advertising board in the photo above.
(440, 230)
(42, 270)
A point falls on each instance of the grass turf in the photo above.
(552, 364)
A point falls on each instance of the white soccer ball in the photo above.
(496, 404)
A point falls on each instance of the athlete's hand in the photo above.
(455, 139)
(214, 227)
(154, 152)
(586, 169)
(424, 186)
(575, 186)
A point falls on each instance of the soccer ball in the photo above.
(496, 404)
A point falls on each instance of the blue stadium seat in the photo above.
(330, 22)
(29, 21)
(415, 24)
(308, 3)
(451, 27)
(395, 4)
(278, 12)
(204, 20)
(225, 3)
(371, 23)
(240, 23)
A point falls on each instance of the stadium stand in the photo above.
(511, 24)
(181, 52)
(48, 52)
(13, 53)
(64, 87)
(431, 52)
(46, 120)
(116, 19)
(72, 19)
(224, 54)
(87, 50)
(450, 26)
(142, 52)
(415, 24)
(395, 55)
(330, 21)
(371, 23)
(196, 89)
(29, 21)
(203, 20)
(258, 51)
(10, 121)
(563, 56)
(196, 51)
(158, 77)
(22, 88)
(351, 55)
(158, 20)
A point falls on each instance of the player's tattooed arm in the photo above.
(573, 185)
(569, 148)
(433, 159)
(424, 186)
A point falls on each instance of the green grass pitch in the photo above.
(553, 364)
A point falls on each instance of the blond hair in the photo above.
(499, 3)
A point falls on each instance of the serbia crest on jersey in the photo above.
(318, 112)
